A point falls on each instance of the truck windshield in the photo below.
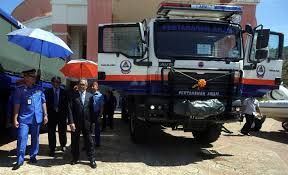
(197, 40)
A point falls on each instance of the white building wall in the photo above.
(71, 12)
(40, 22)
(76, 41)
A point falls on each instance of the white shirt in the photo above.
(250, 105)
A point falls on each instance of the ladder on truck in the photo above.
(200, 11)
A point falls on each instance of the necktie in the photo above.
(82, 98)
(56, 100)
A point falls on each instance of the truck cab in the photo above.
(183, 69)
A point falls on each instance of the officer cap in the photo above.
(30, 72)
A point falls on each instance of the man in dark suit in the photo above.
(57, 104)
(80, 119)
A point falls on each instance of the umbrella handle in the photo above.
(40, 61)
(40, 55)
(81, 71)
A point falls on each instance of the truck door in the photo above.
(262, 72)
(121, 46)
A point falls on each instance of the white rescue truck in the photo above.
(185, 68)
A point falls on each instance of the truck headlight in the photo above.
(152, 107)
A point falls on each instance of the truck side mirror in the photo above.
(261, 54)
(262, 38)
(142, 32)
(249, 29)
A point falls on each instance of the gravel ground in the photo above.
(165, 152)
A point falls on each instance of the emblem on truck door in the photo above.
(125, 66)
(260, 70)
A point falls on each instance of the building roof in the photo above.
(29, 9)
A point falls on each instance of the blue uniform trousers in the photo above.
(23, 131)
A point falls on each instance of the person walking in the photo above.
(57, 106)
(109, 108)
(80, 113)
(98, 102)
(29, 112)
(250, 108)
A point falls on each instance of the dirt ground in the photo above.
(165, 152)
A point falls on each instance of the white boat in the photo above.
(277, 105)
(276, 109)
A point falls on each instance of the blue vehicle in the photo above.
(13, 60)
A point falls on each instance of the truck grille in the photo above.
(218, 84)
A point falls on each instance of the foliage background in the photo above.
(285, 66)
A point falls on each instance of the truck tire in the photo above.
(285, 125)
(135, 128)
(209, 135)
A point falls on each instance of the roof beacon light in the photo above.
(198, 10)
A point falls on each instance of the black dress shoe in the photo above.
(63, 149)
(245, 133)
(93, 164)
(17, 166)
(52, 153)
(33, 160)
(73, 162)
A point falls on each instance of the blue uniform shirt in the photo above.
(30, 100)
(98, 101)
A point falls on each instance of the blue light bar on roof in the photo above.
(227, 8)
(182, 9)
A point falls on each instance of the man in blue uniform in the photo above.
(98, 102)
(29, 110)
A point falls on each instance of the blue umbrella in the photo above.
(40, 41)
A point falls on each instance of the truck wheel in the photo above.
(135, 129)
(209, 135)
(285, 125)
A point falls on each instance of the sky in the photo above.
(272, 14)
(9, 5)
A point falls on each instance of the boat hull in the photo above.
(276, 109)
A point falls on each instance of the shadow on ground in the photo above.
(280, 136)
(158, 149)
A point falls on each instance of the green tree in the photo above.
(285, 66)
